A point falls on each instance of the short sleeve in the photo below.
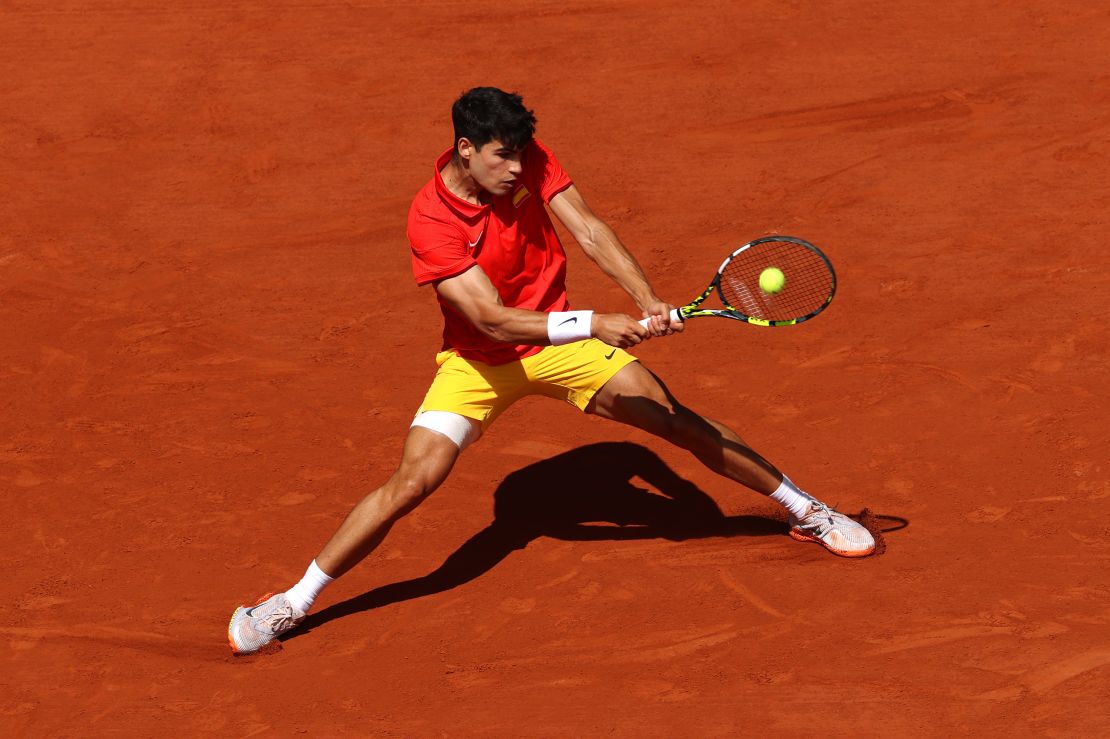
(553, 178)
(439, 250)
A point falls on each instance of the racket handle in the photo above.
(676, 317)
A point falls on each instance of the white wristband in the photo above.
(565, 327)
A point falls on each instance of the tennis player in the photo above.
(482, 238)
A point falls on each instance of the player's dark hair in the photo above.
(483, 114)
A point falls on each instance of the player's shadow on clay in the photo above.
(594, 493)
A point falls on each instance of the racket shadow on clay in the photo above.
(613, 491)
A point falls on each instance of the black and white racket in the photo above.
(797, 279)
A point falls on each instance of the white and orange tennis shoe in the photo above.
(253, 627)
(832, 530)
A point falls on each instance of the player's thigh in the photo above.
(473, 390)
(637, 397)
(426, 461)
(574, 372)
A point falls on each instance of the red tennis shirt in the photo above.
(511, 238)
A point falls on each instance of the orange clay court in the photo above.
(211, 347)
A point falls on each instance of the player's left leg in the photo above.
(635, 396)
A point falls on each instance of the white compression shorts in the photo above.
(459, 429)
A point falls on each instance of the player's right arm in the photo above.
(474, 297)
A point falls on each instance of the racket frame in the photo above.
(693, 309)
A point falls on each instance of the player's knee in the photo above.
(688, 429)
(671, 421)
(406, 493)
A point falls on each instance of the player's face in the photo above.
(494, 167)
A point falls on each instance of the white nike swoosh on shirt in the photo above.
(474, 243)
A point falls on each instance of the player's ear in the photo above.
(464, 148)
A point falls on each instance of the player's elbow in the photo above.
(589, 239)
(598, 240)
(494, 326)
(495, 332)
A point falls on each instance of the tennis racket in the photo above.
(809, 285)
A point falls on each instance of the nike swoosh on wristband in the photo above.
(569, 320)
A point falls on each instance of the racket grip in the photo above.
(676, 317)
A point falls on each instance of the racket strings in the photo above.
(809, 282)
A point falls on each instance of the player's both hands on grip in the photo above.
(620, 330)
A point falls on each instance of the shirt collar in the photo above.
(454, 202)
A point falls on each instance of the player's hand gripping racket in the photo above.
(751, 291)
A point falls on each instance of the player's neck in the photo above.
(458, 180)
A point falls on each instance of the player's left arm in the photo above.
(604, 247)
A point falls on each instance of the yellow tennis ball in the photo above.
(772, 280)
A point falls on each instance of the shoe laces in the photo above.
(278, 620)
(821, 518)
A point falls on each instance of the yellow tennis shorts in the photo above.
(572, 372)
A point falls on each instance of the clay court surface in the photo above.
(211, 347)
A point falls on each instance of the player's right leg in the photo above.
(427, 459)
(464, 398)
(429, 454)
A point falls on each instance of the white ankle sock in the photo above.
(303, 594)
(790, 497)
